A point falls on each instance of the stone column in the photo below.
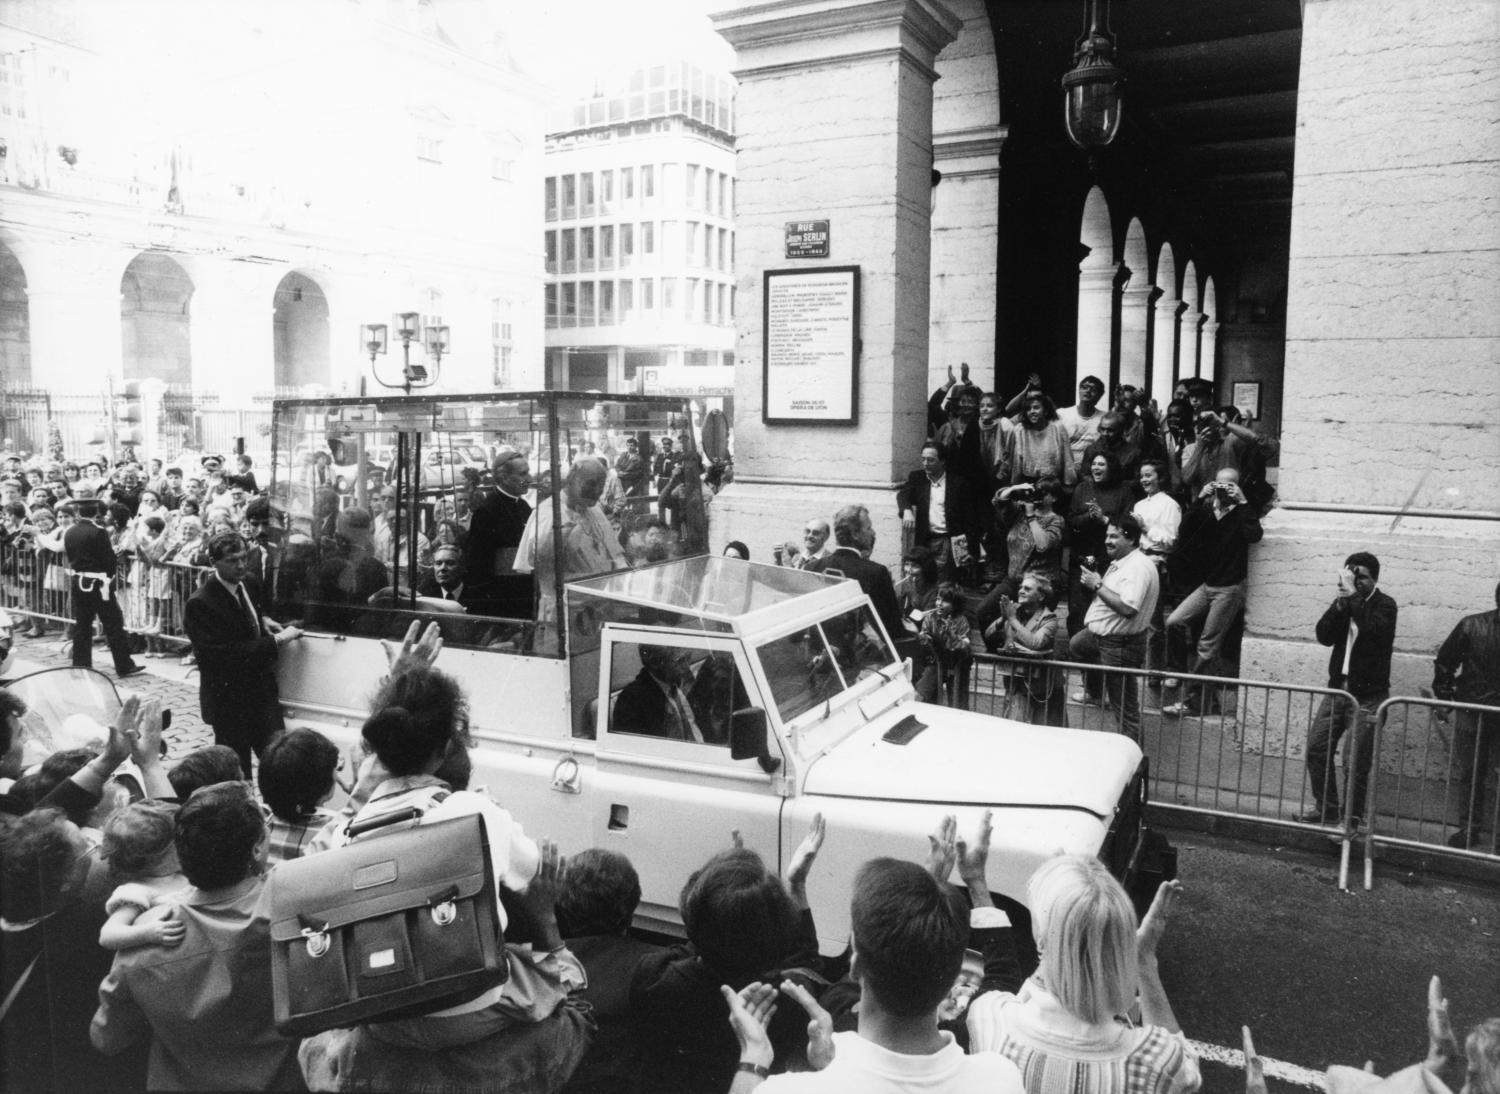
(834, 121)
(1188, 323)
(1096, 304)
(1164, 359)
(965, 233)
(1392, 377)
(1208, 346)
(1135, 330)
(73, 295)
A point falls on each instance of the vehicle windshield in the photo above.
(811, 666)
(450, 508)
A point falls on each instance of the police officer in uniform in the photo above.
(95, 588)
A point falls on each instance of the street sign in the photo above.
(807, 238)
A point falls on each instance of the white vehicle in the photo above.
(796, 704)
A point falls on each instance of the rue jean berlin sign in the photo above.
(807, 239)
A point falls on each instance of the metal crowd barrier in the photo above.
(36, 584)
(1434, 780)
(1243, 754)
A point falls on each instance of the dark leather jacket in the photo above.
(1468, 663)
(1370, 663)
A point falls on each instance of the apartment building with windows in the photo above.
(639, 237)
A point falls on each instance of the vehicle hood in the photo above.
(975, 759)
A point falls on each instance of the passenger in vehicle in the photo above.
(589, 543)
(349, 574)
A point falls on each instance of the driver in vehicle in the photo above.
(668, 699)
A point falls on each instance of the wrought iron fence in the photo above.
(187, 420)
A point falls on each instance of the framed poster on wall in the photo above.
(810, 352)
(1245, 397)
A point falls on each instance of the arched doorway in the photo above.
(301, 333)
(155, 293)
(15, 322)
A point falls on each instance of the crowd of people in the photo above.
(1121, 537)
(137, 951)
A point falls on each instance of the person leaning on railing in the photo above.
(1028, 628)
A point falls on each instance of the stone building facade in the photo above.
(227, 217)
(1302, 199)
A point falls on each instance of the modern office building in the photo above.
(639, 239)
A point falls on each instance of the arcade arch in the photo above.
(155, 328)
(15, 322)
(301, 334)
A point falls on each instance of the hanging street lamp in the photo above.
(1092, 85)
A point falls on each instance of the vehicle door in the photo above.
(668, 793)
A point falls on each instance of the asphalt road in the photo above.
(1264, 938)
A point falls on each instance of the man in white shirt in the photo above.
(908, 949)
(1118, 623)
(1082, 419)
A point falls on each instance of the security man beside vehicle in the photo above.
(237, 649)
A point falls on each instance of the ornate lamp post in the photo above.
(435, 339)
(1092, 86)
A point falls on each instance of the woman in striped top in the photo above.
(1068, 1029)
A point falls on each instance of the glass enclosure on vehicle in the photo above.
(705, 596)
(471, 510)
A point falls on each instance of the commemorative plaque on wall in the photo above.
(811, 346)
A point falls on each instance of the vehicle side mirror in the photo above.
(747, 738)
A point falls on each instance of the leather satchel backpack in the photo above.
(400, 921)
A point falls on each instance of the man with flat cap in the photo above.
(95, 591)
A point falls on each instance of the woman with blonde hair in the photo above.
(1069, 1027)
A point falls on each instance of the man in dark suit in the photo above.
(937, 507)
(666, 700)
(237, 648)
(855, 535)
(495, 532)
(95, 591)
